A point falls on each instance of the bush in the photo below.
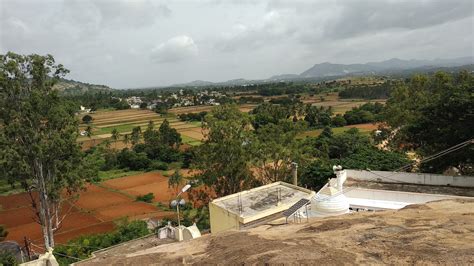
(132, 160)
(83, 246)
(158, 165)
(146, 198)
(87, 119)
(7, 258)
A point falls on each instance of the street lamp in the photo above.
(181, 202)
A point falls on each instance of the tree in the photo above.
(175, 180)
(274, 149)
(435, 113)
(318, 117)
(88, 131)
(143, 106)
(267, 113)
(126, 139)
(115, 136)
(224, 159)
(338, 121)
(87, 119)
(38, 136)
(168, 135)
(316, 174)
(136, 135)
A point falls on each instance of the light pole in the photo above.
(181, 202)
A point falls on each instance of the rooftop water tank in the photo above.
(328, 202)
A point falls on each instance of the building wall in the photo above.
(221, 219)
(414, 178)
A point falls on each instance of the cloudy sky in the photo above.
(139, 43)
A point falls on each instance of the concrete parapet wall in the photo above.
(413, 178)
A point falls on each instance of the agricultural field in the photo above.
(104, 122)
(94, 211)
(338, 105)
(365, 129)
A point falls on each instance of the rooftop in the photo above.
(268, 198)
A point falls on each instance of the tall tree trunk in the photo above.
(44, 210)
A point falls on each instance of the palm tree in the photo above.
(115, 137)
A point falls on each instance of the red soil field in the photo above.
(15, 201)
(161, 191)
(135, 180)
(92, 200)
(63, 237)
(129, 209)
(15, 217)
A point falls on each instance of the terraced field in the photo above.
(104, 122)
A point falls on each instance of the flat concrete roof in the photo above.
(386, 199)
(266, 199)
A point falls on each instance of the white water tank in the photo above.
(328, 202)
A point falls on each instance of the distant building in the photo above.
(252, 207)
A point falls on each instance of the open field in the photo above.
(363, 128)
(94, 212)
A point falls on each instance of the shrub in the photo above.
(158, 165)
(146, 198)
(87, 119)
(7, 258)
(83, 246)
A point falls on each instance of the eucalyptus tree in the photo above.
(38, 135)
(224, 160)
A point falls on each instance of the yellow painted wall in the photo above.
(222, 220)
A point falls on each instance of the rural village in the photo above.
(369, 162)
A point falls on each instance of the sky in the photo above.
(144, 43)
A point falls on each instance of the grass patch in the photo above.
(116, 173)
(190, 141)
(335, 130)
(6, 189)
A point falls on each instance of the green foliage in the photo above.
(175, 179)
(274, 148)
(133, 160)
(149, 197)
(316, 174)
(193, 116)
(366, 113)
(158, 165)
(7, 258)
(434, 113)
(338, 121)
(224, 158)
(83, 246)
(373, 159)
(318, 117)
(38, 134)
(169, 136)
(267, 113)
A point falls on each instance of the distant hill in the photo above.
(72, 87)
(391, 65)
(327, 71)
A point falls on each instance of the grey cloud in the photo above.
(175, 49)
(369, 16)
